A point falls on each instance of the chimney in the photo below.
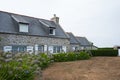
(55, 19)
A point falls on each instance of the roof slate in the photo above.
(83, 41)
(73, 39)
(8, 24)
(19, 19)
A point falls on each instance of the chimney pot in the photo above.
(55, 19)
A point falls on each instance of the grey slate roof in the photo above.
(73, 39)
(19, 19)
(9, 24)
(83, 41)
(48, 23)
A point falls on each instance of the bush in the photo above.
(70, 56)
(15, 68)
(106, 48)
(104, 52)
(60, 57)
(22, 66)
(82, 56)
(44, 60)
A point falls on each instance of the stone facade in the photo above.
(14, 39)
(74, 47)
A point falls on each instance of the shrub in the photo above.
(14, 69)
(44, 60)
(22, 66)
(70, 56)
(60, 57)
(82, 56)
(104, 52)
(110, 48)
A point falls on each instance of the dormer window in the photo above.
(51, 31)
(23, 27)
(22, 23)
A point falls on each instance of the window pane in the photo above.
(52, 31)
(19, 48)
(22, 48)
(57, 49)
(23, 27)
(41, 48)
(54, 49)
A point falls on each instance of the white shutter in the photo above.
(30, 49)
(36, 49)
(7, 48)
(64, 48)
(45, 48)
(50, 49)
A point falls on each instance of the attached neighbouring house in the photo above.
(80, 43)
(84, 43)
(74, 44)
(21, 33)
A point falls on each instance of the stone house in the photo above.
(74, 44)
(80, 43)
(21, 33)
(84, 43)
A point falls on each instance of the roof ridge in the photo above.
(23, 15)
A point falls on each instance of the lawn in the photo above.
(97, 68)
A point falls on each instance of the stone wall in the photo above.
(13, 39)
(72, 46)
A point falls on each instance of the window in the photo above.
(52, 31)
(19, 48)
(41, 48)
(74, 48)
(7, 48)
(57, 49)
(23, 27)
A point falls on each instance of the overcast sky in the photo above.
(98, 20)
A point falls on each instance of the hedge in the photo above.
(104, 52)
(70, 56)
(110, 48)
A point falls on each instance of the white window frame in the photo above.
(53, 33)
(7, 48)
(23, 27)
(57, 48)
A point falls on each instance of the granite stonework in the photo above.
(74, 47)
(15, 39)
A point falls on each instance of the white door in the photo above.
(119, 51)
